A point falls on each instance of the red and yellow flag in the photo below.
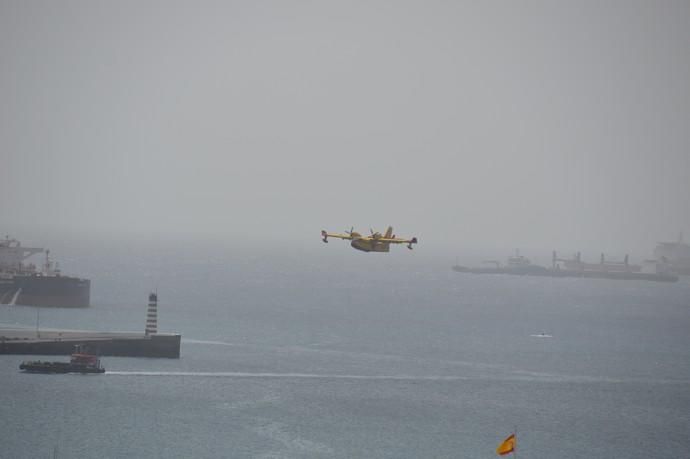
(507, 447)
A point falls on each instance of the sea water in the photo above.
(339, 354)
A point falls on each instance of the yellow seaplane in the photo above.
(377, 242)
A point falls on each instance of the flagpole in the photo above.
(515, 442)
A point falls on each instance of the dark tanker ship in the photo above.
(24, 284)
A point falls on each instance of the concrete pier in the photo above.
(62, 342)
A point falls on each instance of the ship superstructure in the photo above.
(12, 256)
(675, 254)
(24, 283)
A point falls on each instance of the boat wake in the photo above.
(235, 374)
(541, 335)
(518, 376)
(200, 341)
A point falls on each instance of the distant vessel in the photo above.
(573, 267)
(81, 361)
(24, 284)
(517, 265)
(675, 254)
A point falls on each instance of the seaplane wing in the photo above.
(325, 235)
(397, 240)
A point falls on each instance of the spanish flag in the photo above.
(507, 447)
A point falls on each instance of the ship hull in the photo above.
(47, 291)
(531, 270)
(544, 272)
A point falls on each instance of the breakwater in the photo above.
(62, 342)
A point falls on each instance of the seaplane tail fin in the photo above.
(389, 232)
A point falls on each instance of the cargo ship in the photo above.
(23, 283)
(574, 267)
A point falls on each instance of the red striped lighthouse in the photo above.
(152, 315)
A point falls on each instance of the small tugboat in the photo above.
(81, 361)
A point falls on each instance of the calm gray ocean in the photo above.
(332, 353)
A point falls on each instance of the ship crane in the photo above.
(576, 263)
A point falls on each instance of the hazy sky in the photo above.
(475, 124)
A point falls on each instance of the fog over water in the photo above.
(467, 124)
(196, 149)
